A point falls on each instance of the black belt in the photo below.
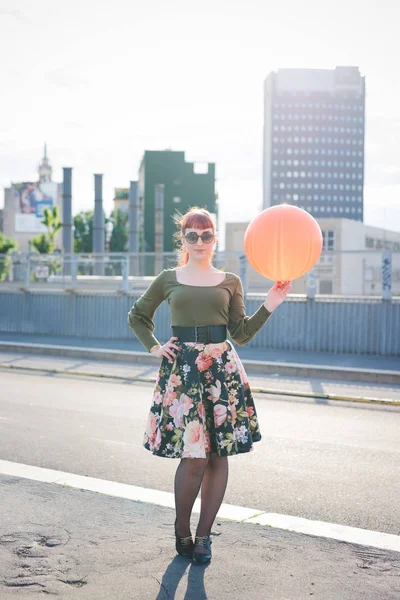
(203, 334)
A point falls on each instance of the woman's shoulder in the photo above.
(168, 272)
(232, 276)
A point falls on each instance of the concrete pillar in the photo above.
(133, 228)
(159, 229)
(67, 221)
(98, 225)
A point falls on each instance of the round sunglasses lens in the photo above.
(192, 237)
(207, 237)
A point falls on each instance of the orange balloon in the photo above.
(283, 242)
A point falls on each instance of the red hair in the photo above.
(195, 218)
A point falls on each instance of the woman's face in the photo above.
(200, 250)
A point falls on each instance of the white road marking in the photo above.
(354, 535)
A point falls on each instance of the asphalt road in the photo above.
(329, 461)
(69, 543)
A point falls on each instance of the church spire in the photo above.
(45, 168)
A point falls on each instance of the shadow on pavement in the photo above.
(173, 575)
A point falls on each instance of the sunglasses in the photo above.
(192, 237)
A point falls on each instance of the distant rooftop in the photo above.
(328, 80)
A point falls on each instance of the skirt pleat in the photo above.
(202, 404)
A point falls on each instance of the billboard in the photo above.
(31, 199)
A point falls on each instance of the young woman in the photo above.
(202, 408)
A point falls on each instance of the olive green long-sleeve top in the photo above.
(221, 304)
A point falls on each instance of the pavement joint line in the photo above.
(241, 514)
(257, 390)
(141, 356)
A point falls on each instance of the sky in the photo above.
(101, 81)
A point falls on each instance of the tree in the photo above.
(43, 244)
(6, 246)
(119, 235)
(83, 232)
(46, 243)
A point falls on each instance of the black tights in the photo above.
(212, 475)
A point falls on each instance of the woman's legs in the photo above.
(213, 488)
(188, 477)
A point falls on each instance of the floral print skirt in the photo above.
(202, 403)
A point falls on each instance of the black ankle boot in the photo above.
(184, 545)
(199, 558)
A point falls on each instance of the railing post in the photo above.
(386, 275)
(311, 285)
(243, 272)
(125, 273)
(27, 274)
(74, 267)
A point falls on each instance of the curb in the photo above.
(267, 391)
(228, 512)
(255, 367)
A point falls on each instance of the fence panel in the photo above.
(336, 325)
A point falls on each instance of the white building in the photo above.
(24, 205)
(351, 263)
(121, 200)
